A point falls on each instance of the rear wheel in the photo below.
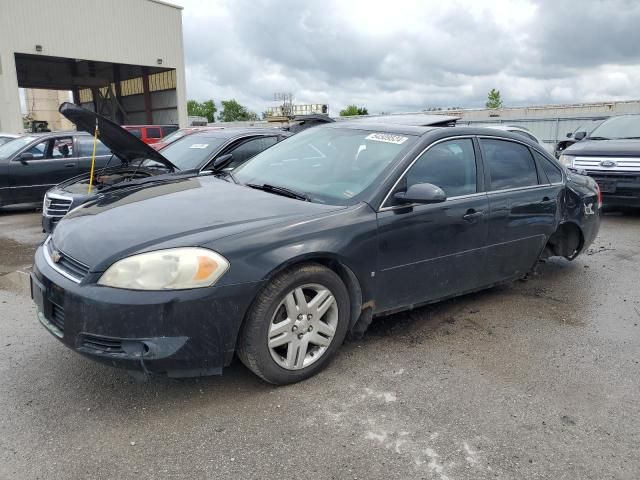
(295, 325)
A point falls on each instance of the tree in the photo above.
(493, 99)
(205, 109)
(232, 111)
(351, 110)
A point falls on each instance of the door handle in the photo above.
(472, 214)
(69, 165)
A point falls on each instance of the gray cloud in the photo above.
(409, 55)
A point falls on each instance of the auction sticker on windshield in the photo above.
(199, 145)
(386, 137)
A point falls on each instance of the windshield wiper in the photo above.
(628, 138)
(598, 138)
(284, 191)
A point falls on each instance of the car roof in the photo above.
(8, 135)
(379, 127)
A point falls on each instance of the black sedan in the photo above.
(205, 152)
(304, 243)
(33, 163)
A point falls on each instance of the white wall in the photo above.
(136, 32)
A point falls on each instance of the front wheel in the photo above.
(295, 325)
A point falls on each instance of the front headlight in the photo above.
(171, 269)
(566, 160)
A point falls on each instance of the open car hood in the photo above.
(122, 143)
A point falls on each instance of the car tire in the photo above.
(295, 325)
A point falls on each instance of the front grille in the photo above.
(56, 207)
(101, 344)
(57, 316)
(65, 263)
(607, 164)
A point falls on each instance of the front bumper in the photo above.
(618, 189)
(178, 333)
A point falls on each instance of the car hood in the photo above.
(121, 142)
(605, 148)
(185, 212)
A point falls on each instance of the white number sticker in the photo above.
(386, 137)
(199, 145)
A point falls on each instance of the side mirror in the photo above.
(421, 193)
(569, 135)
(222, 161)
(579, 136)
(25, 157)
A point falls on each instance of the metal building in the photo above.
(550, 123)
(123, 58)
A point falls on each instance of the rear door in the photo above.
(53, 161)
(523, 206)
(428, 252)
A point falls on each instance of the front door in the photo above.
(51, 161)
(428, 252)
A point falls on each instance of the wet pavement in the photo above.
(535, 379)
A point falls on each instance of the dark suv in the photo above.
(33, 163)
(611, 155)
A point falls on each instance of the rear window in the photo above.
(85, 147)
(550, 169)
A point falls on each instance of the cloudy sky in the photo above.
(399, 55)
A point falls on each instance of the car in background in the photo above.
(207, 152)
(578, 134)
(34, 162)
(522, 131)
(150, 134)
(178, 134)
(610, 154)
(307, 241)
(7, 137)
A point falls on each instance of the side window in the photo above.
(39, 151)
(167, 130)
(85, 147)
(450, 165)
(553, 171)
(135, 132)
(250, 149)
(153, 132)
(510, 164)
(62, 147)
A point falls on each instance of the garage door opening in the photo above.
(127, 94)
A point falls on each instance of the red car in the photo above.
(150, 134)
(178, 134)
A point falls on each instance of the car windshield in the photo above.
(191, 151)
(9, 148)
(627, 126)
(326, 164)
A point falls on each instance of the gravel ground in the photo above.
(536, 379)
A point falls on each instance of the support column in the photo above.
(148, 108)
(10, 113)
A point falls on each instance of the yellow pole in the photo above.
(93, 156)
